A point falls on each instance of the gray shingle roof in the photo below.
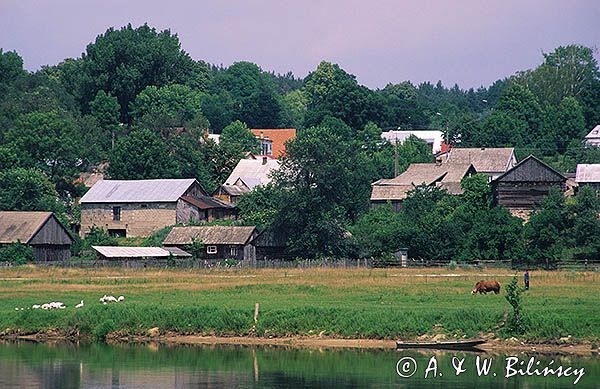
(209, 235)
(484, 159)
(445, 176)
(137, 191)
(21, 225)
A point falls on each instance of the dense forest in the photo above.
(135, 98)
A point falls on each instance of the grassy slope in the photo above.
(346, 303)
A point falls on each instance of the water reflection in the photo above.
(60, 365)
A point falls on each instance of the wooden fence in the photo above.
(574, 265)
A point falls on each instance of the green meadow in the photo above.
(341, 303)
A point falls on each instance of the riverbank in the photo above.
(302, 306)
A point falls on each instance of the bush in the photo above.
(16, 253)
(514, 323)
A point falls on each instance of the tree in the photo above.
(105, 109)
(168, 107)
(254, 95)
(141, 155)
(568, 123)
(237, 136)
(543, 232)
(124, 62)
(27, 190)
(49, 141)
(11, 67)
(260, 207)
(326, 184)
(566, 72)
(17, 253)
(330, 91)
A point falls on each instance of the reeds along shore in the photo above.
(338, 303)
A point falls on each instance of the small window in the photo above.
(233, 251)
(211, 249)
(144, 206)
(116, 213)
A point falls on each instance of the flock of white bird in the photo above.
(58, 305)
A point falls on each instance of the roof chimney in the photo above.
(264, 161)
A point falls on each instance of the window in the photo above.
(266, 146)
(116, 213)
(233, 251)
(211, 249)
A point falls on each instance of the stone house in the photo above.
(138, 208)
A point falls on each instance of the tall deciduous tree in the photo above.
(124, 62)
(330, 91)
(141, 155)
(27, 190)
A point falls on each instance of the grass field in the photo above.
(351, 303)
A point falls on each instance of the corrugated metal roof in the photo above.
(136, 252)
(21, 225)
(587, 173)
(205, 202)
(253, 172)
(137, 191)
(209, 235)
(235, 190)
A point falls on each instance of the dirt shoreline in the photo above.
(492, 346)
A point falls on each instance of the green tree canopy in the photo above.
(27, 190)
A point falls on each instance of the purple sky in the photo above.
(468, 42)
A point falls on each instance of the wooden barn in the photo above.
(41, 231)
(524, 186)
(220, 242)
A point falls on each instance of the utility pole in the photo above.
(396, 158)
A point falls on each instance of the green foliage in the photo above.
(196, 248)
(330, 91)
(124, 62)
(141, 155)
(16, 253)
(477, 191)
(11, 67)
(105, 110)
(167, 108)
(250, 95)
(48, 141)
(515, 324)
(27, 190)
(325, 184)
(260, 207)
(237, 136)
(99, 237)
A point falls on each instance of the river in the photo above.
(65, 365)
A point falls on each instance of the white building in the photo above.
(593, 138)
(434, 138)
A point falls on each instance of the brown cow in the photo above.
(486, 286)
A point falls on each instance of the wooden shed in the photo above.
(41, 231)
(524, 186)
(220, 242)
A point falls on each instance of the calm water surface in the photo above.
(31, 365)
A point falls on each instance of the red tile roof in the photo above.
(278, 136)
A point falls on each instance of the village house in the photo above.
(445, 176)
(219, 242)
(131, 208)
(434, 138)
(42, 231)
(588, 175)
(593, 138)
(272, 141)
(492, 162)
(248, 174)
(523, 187)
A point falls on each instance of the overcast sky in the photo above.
(468, 42)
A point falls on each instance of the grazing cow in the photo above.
(486, 286)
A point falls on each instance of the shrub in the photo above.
(16, 253)
(514, 323)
